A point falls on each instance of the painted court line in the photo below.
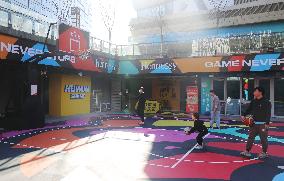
(189, 151)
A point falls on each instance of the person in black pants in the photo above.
(198, 127)
(141, 104)
(260, 109)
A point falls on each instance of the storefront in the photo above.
(67, 84)
(180, 85)
(232, 77)
(69, 94)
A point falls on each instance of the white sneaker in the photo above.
(246, 154)
(262, 155)
(199, 147)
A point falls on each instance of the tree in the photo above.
(159, 19)
(107, 8)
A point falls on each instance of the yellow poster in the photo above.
(151, 107)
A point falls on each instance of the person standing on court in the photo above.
(141, 104)
(215, 110)
(260, 109)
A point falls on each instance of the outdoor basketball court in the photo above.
(115, 147)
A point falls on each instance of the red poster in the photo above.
(192, 99)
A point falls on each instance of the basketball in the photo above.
(248, 120)
(186, 130)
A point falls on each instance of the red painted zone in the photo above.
(197, 170)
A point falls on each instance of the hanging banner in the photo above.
(205, 95)
(192, 99)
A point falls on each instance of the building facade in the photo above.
(33, 17)
(209, 27)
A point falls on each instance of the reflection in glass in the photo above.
(233, 87)
(218, 87)
(4, 18)
(17, 22)
(279, 97)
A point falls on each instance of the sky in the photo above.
(124, 12)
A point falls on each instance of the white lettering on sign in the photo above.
(237, 63)
(77, 91)
(164, 66)
(104, 65)
(20, 50)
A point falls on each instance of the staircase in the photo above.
(115, 95)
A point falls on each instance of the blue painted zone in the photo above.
(265, 60)
(46, 61)
(222, 32)
(279, 177)
(110, 66)
(127, 67)
(163, 69)
(234, 132)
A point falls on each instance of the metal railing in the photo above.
(207, 46)
(244, 44)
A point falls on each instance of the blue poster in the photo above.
(205, 95)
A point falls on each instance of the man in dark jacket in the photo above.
(260, 109)
(141, 104)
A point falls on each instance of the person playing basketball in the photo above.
(198, 127)
(260, 109)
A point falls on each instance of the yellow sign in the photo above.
(151, 107)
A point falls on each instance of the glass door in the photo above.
(219, 88)
(233, 96)
(265, 83)
(248, 85)
(279, 97)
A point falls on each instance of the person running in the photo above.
(141, 104)
(198, 127)
(260, 109)
(215, 109)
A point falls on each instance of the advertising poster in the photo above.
(192, 99)
(205, 95)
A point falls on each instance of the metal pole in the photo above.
(45, 42)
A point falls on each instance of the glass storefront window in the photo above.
(4, 18)
(279, 97)
(233, 87)
(41, 29)
(218, 87)
(17, 22)
(233, 96)
(22, 23)
(28, 25)
(265, 83)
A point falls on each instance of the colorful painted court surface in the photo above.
(115, 147)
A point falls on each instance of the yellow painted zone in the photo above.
(189, 123)
(178, 123)
(60, 102)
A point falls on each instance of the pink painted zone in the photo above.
(165, 135)
(275, 133)
(277, 124)
(197, 170)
